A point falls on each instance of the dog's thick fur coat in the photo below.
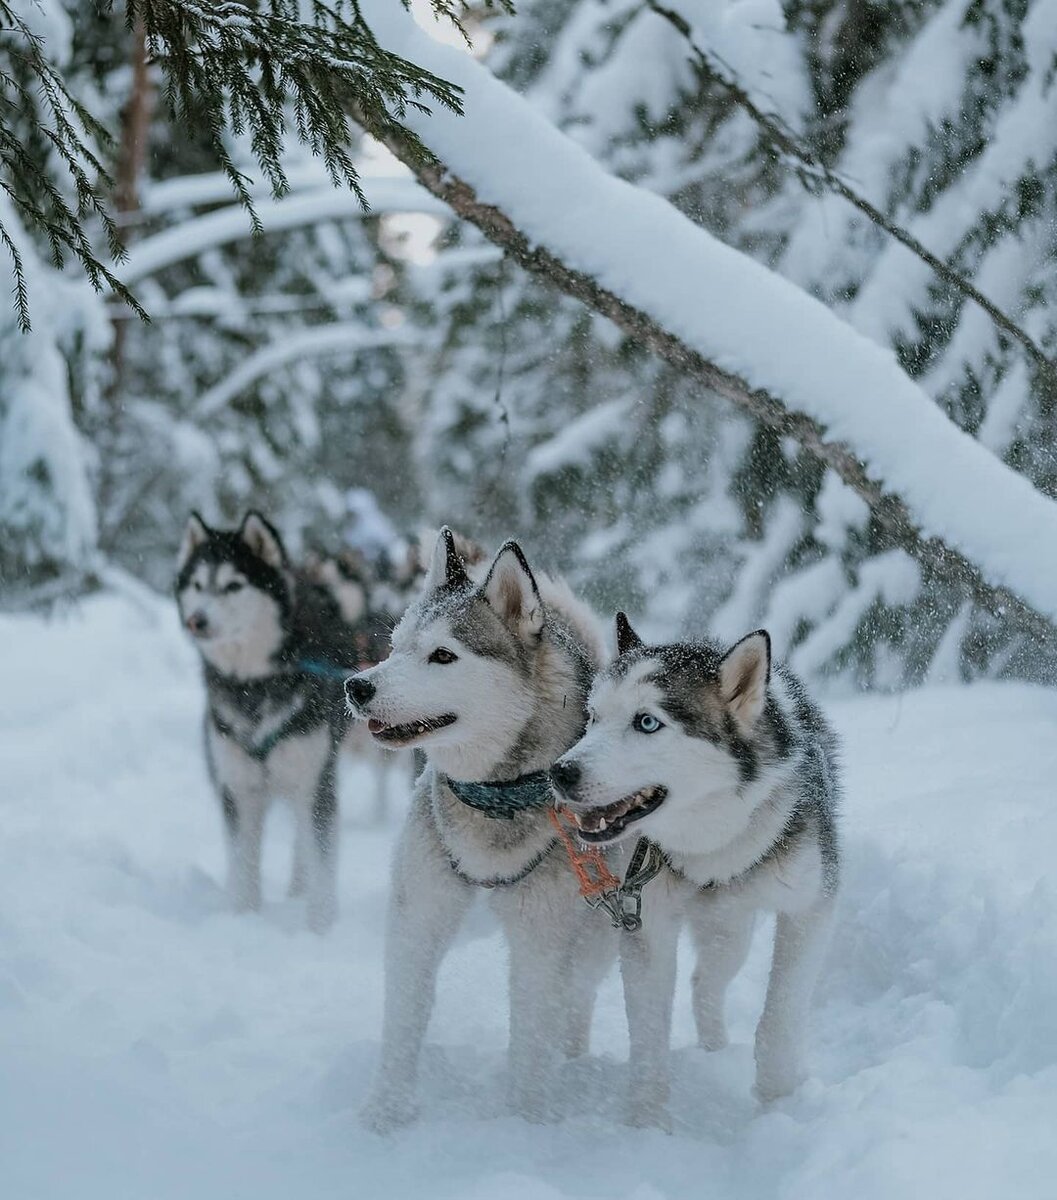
(732, 771)
(271, 644)
(490, 679)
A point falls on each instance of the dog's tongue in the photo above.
(375, 726)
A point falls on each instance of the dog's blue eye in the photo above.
(233, 586)
(646, 723)
(443, 656)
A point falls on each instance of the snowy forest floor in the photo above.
(154, 1046)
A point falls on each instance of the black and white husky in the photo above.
(730, 769)
(274, 652)
(490, 679)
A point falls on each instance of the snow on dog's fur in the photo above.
(731, 770)
(490, 679)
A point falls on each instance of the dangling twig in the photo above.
(497, 399)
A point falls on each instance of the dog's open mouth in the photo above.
(605, 824)
(404, 735)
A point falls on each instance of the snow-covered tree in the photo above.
(934, 114)
(896, 161)
(110, 433)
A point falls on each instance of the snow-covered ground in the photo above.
(152, 1045)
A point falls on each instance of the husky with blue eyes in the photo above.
(726, 766)
(488, 675)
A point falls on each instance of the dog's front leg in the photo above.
(299, 864)
(380, 769)
(647, 964)
(722, 931)
(302, 769)
(244, 825)
(240, 787)
(539, 938)
(322, 851)
(427, 902)
(800, 941)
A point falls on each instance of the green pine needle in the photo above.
(270, 71)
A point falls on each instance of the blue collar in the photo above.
(325, 670)
(508, 797)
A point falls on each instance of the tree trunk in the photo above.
(132, 160)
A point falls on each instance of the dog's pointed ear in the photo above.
(627, 638)
(743, 675)
(446, 568)
(512, 594)
(263, 540)
(195, 533)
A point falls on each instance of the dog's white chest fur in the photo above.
(484, 848)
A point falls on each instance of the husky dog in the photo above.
(732, 772)
(348, 577)
(490, 680)
(373, 594)
(274, 652)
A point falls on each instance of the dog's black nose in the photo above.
(565, 776)
(358, 690)
(198, 623)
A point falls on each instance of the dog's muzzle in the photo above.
(565, 776)
(358, 691)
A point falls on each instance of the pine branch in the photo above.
(233, 69)
(268, 71)
(814, 174)
(27, 179)
(891, 517)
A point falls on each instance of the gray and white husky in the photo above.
(731, 770)
(490, 679)
(275, 652)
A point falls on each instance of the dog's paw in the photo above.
(713, 1036)
(384, 1113)
(531, 1107)
(647, 1105)
(777, 1079)
(321, 915)
(649, 1116)
(779, 1063)
(244, 899)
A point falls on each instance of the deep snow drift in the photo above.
(153, 1046)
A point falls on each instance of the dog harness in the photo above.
(624, 904)
(259, 751)
(620, 899)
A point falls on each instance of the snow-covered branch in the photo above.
(232, 224)
(342, 337)
(748, 334)
(816, 174)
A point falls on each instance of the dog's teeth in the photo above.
(601, 824)
(578, 820)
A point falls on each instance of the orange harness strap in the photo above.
(589, 865)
